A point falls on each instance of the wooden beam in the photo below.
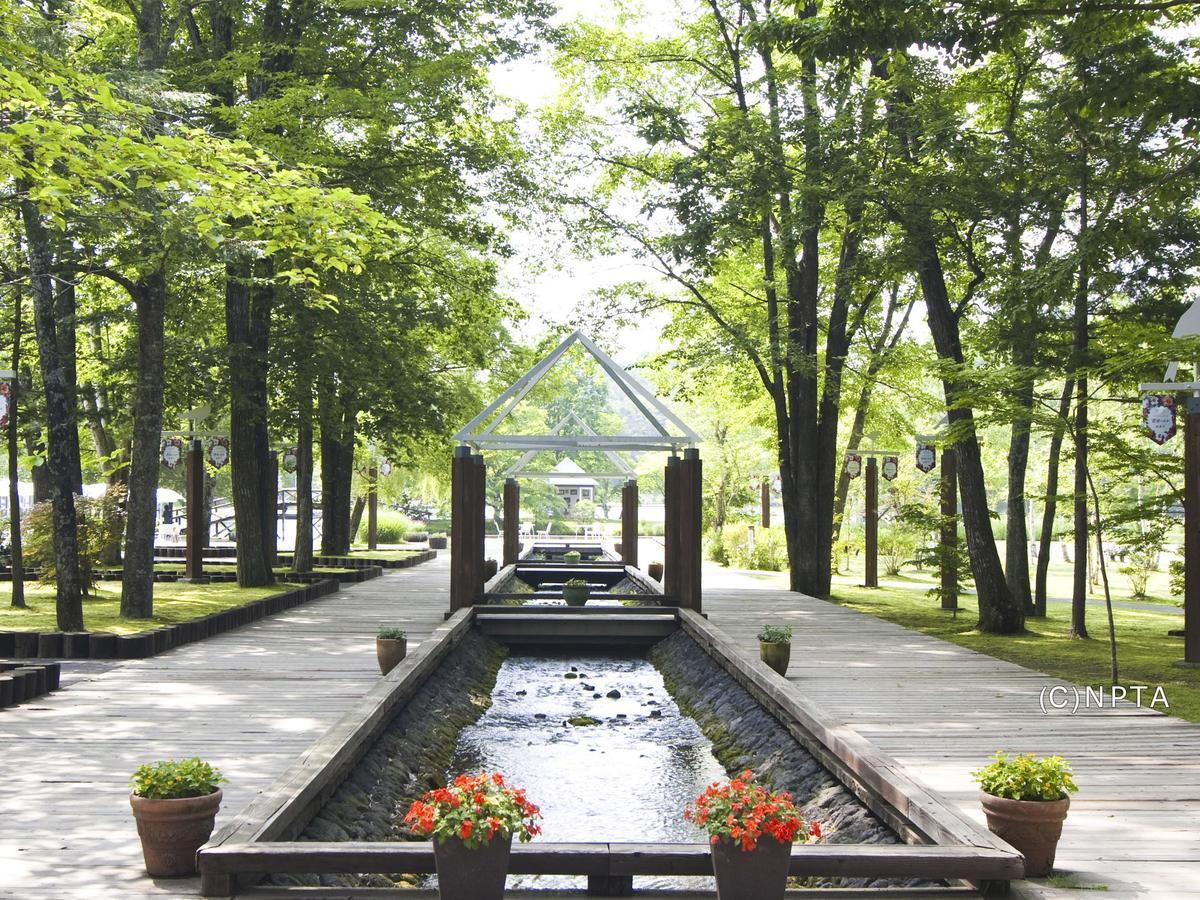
(629, 523)
(512, 521)
(871, 524)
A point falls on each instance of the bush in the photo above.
(171, 780)
(897, 549)
(714, 547)
(775, 634)
(1142, 555)
(770, 547)
(390, 528)
(101, 522)
(650, 529)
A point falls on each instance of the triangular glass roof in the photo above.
(669, 431)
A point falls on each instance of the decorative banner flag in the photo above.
(218, 451)
(385, 468)
(926, 457)
(291, 459)
(172, 452)
(5, 396)
(890, 468)
(1158, 415)
(853, 465)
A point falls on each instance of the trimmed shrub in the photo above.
(391, 528)
(770, 547)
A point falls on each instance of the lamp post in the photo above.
(854, 465)
(218, 454)
(1191, 499)
(926, 456)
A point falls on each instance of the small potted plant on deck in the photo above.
(655, 571)
(751, 832)
(472, 822)
(437, 540)
(572, 557)
(576, 592)
(391, 646)
(775, 646)
(1025, 800)
(174, 804)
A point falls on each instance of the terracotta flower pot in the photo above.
(173, 830)
(776, 655)
(758, 874)
(576, 596)
(390, 652)
(655, 571)
(1032, 826)
(472, 874)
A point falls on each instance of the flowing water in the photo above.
(625, 779)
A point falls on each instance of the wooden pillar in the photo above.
(270, 510)
(949, 530)
(766, 502)
(461, 471)
(689, 515)
(871, 578)
(629, 523)
(1191, 533)
(193, 567)
(372, 506)
(479, 534)
(512, 521)
(671, 528)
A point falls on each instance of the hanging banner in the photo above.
(385, 468)
(172, 452)
(218, 451)
(291, 459)
(5, 397)
(926, 457)
(1158, 415)
(853, 465)
(890, 468)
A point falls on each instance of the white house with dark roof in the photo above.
(572, 484)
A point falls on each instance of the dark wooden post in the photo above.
(270, 510)
(949, 531)
(512, 521)
(1191, 533)
(671, 528)
(629, 523)
(689, 516)
(461, 472)
(372, 506)
(766, 502)
(479, 535)
(871, 578)
(193, 568)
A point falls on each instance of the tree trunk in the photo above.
(852, 445)
(14, 471)
(247, 420)
(1050, 509)
(64, 314)
(137, 580)
(360, 504)
(1016, 569)
(61, 430)
(999, 612)
(337, 472)
(1079, 363)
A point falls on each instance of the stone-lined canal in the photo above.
(600, 746)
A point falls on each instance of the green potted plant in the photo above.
(1025, 799)
(572, 557)
(174, 804)
(437, 540)
(391, 646)
(655, 571)
(576, 592)
(472, 822)
(751, 831)
(775, 646)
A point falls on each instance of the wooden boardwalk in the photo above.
(249, 701)
(253, 699)
(942, 710)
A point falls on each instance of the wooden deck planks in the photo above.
(942, 710)
(250, 701)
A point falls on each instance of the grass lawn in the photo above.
(1144, 652)
(172, 603)
(386, 554)
(178, 568)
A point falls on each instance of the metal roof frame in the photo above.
(672, 432)
(624, 470)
